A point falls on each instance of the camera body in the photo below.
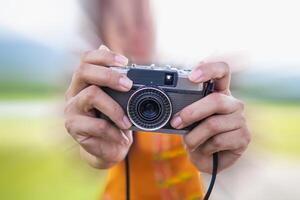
(157, 94)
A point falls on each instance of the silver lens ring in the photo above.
(156, 96)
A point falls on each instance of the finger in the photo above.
(82, 127)
(103, 56)
(89, 74)
(212, 126)
(109, 151)
(219, 72)
(204, 161)
(234, 141)
(215, 103)
(95, 161)
(94, 98)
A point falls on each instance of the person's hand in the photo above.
(103, 144)
(222, 126)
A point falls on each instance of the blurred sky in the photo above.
(267, 30)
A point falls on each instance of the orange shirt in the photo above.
(159, 169)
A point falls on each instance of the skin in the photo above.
(133, 36)
(222, 125)
(103, 144)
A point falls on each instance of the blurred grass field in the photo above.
(275, 127)
(40, 161)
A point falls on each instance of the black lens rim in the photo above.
(155, 94)
(141, 111)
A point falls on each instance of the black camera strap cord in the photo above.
(127, 177)
(213, 175)
(209, 190)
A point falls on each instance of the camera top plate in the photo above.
(145, 75)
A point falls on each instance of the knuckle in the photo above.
(69, 124)
(79, 72)
(237, 103)
(109, 76)
(85, 55)
(117, 111)
(244, 142)
(217, 142)
(225, 67)
(99, 152)
(87, 98)
(219, 100)
(82, 66)
(93, 89)
(103, 125)
(68, 107)
(103, 52)
(244, 138)
(91, 92)
(242, 119)
(107, 56)
(213, 124)
(216, 97)
(190, 143)
(187, 115)
(247, 136)
(240, 105)
(67, 94)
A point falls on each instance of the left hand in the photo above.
(222, 127)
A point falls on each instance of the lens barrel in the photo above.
(149, 108)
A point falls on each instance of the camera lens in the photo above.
(149, 108)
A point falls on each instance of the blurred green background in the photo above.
(38, 160)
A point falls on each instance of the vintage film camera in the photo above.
(157, 94)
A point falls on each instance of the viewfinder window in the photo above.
(169, 79)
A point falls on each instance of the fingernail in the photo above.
(125, 82)
(121, 60)
(103, 47)
(127, 123)
(176, 122)
(196, 75)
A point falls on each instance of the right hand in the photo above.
(102, 143)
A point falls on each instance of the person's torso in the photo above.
(159, 169)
